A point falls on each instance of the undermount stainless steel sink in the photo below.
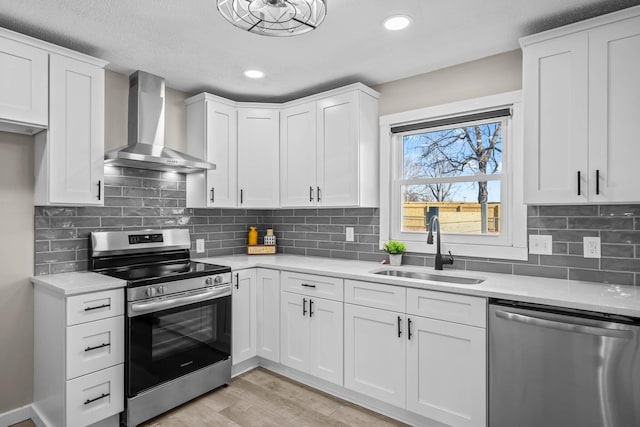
(430, 277)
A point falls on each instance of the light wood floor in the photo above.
(260, 398)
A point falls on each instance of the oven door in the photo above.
(180, 337)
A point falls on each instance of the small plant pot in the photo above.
(395, 259)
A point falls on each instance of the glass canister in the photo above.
(252, 238)
(270, 238)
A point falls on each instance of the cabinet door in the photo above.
(614, 109)
(325, 333)
(258, 154)
(298, 156)
(75, 143)
(555, 95)
(269, 314)
(222, 149)
(24, 84)
(374, 353)
(294, 331)
(447, 372)
(243, 325)
(337, 150)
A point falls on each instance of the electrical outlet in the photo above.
(199, 246)
(591, 247)
(541, 245)
(350, 234)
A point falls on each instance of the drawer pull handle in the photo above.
(97, 347)
(306, 285)
(102, 396)
(97, 307)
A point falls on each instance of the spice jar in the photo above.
(252, 239)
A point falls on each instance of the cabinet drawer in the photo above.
(95, 306)
(450, 307)
(94, 397)
(386, 297)
(308, 284)
(94, 346)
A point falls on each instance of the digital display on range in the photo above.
(135, 239)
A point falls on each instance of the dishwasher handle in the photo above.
(565, 326)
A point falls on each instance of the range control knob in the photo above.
(161, 289)
(209, 281)
(217, 280)
(151, 292)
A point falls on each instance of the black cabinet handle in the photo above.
(241, 196)
(97, 347)
(99, 189)
(213, 195)
(409, 328)
(306, 285)
(310, 194)
(310, 307)
(597, 181)
(578, 183)
(97, 307)
(318, 193)
(399, 330)
(304, 306)
(102, 396)
(237, 280)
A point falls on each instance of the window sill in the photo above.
(478, 251)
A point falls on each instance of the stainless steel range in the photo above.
(178, 328)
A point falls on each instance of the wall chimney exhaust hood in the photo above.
(146, 148)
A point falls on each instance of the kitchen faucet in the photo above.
(440, 260)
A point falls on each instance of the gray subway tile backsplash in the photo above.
(138, 198)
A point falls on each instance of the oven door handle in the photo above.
(140, 308)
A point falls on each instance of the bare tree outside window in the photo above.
(464, 151)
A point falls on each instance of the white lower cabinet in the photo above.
(243, 322)
(374, 353)
(311, 336)
(268, 327)
(446, 372)
(78, 357)
(429, 366)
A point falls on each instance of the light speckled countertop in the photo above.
(79, 282)
(607, 298)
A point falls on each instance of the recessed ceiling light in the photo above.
(254, 74)
(397, 22)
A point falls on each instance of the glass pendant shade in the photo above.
(274, 17)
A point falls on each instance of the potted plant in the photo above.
(395, 250)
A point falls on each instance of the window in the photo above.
(461, 165)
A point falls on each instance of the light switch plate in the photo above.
(199, 246)
(350, 234)
(540, 244)
(591, 247)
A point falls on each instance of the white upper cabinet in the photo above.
(582, 98)
(69, 158)
(318, 151)
(258, 148)
(212, 134)
(298, 184)
(614, 110)
(338, 165)
(24, 69)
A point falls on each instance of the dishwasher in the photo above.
(552, 367)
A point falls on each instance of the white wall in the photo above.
(487, 76)
(16, 267)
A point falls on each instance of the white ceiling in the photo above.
(195, 49)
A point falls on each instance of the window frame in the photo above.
(511, 243)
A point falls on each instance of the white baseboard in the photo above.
(37, 418)
(15, 416)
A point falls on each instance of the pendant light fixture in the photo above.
(274, 17)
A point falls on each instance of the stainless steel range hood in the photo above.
(146, 148)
